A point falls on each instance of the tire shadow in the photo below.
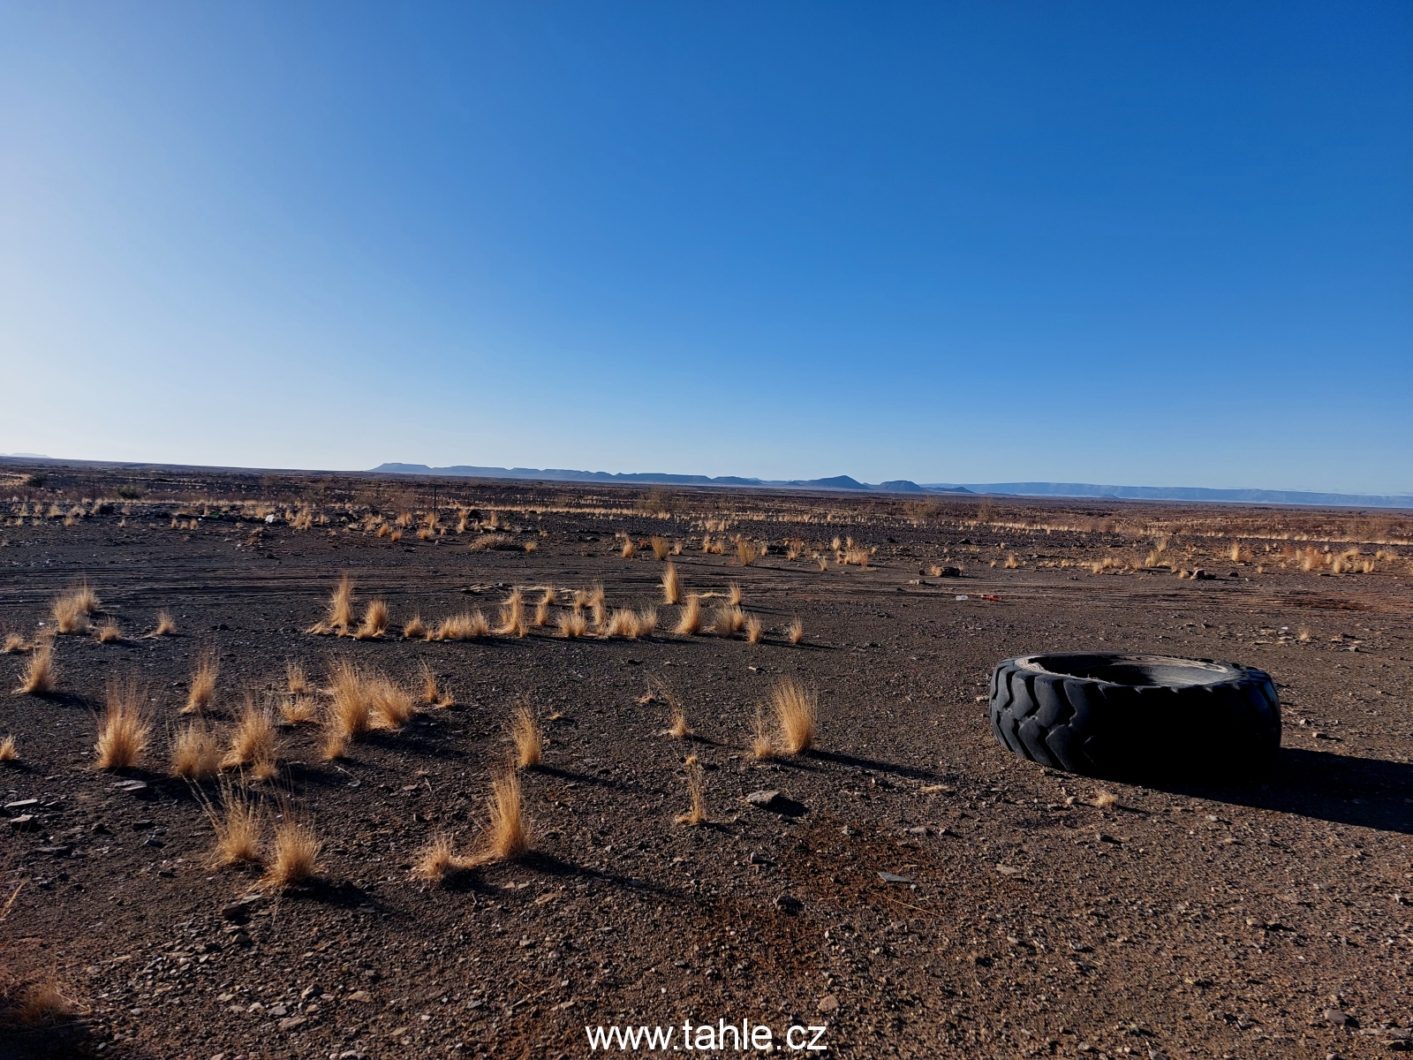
(1322, 785)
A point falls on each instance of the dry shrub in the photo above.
(469, 625)
(754, 630)
(414, 628)
(661, 549)
(512, 616)
(203, 683)
(166, 625)
(532, 545)
(493, 543)
(350, 708)
(733, 594)
(294, 855)
(375, 621)
(41, 676)
(677, 726)
(1011, 562)
(795, 632)
(796, 715)
(629, 549)
(439, 860)
(671, 585)
(109, 632)
(746, 552)
(196, 753)
(573, 625)
(123, 731)
(696, 813)
(526, 736)
(254, 742)
(762, 747)
(8, 751)
(238, 825)
(1104, 800)
(690, 620)
(14, 644)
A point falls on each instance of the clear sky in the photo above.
(1166, 243)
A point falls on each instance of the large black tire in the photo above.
(1130, 715)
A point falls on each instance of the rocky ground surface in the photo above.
(911, 886)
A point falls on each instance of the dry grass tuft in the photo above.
(1011, 562)
(795, 632)
(203, 683)
(689, 622)
(542, 609)
(41, 676)
(762, 747)
(294, 855)
(1104, 800)
(339, 615)
(238, 827)
(671, 585)
(439, 860)
(696, 784)
(733, 594)
(469, 625)
(661, 550)
(71, 612)
(123, 731)
(526, 736)
(296, 680)
(512, 616)
(109, 632)
(508, 833)
(8, 751)
(729, 620)
(196, 753)
(350, 709)
(629, 549)
(166, 625)
(14, 644)
(623, 624)
(573, 625)
(255, 742)
(754, 630)
(301, 710)
(375, 621)
(796, 715)
(746, 552)
(391, 706)
(414, 628)
(432, 694)
(677, 726)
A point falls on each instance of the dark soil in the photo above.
(1255, 919)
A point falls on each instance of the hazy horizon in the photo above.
(971, 243)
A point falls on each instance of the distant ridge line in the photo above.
(1072, 490)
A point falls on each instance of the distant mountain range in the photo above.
(1196, 494)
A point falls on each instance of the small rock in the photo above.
(788, 903)
(893, 877)
(293, 1023)
(828, 1003)
(23, 823)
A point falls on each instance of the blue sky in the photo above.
(1108, 242)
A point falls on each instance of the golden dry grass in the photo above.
(203, 683)
(622, 624)
(109, 632)
(70, 612)
(689, 622)
(1104, 800)
(629, 549)
(469, 625)
(671, 585)
(492, 542)
(439, 860)
(8, 751)
(512, 616)
(696, 784)
(754, 630)
(1011, 562)
(338, 616)
(255, 742)
(746, 552)
(196, 753)
(375, 621)
(795, 632)
(301, 710)
(390, 705)
(296, 680)
(728, 621)
(542, 609)
(733, 594)
(123, 730)
(677, 725)
(762, 747)
(526, 737)
(166, 625)
(41, 675)
(796, 716)
(661, 550)
(508, 833)
(573, 625)
(414, 628)
(294, 855)
(14, 644)
(350, 709)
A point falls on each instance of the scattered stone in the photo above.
(828, 1003)
(775, 802)
(23, 823)
(21, 804)
(893, 877)
(788, 903)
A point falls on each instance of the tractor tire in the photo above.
(1131, 715)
